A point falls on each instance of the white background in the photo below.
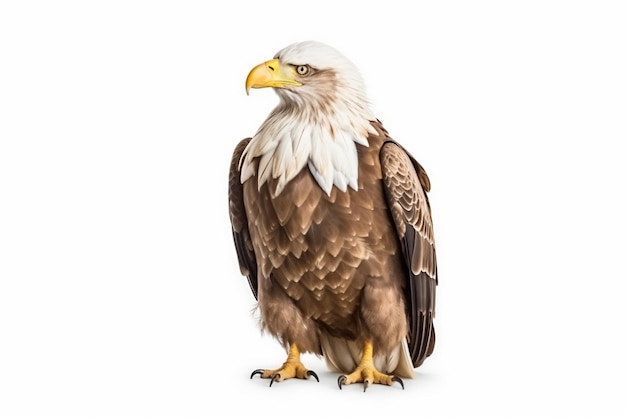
(120, 293)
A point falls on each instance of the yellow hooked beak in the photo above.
(271, 74)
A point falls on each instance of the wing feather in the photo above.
(406, 184)
(239, 220)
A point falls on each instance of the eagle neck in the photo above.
(322, 139)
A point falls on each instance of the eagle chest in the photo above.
(318, 248)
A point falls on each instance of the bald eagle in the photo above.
(332, 225)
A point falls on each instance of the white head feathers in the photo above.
(317, 123)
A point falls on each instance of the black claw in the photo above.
(257, 372)
(276, 377)
(314, 375)
(366, 384)
(398, 379)
(341, 380)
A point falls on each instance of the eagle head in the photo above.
(310, 73)
(322, 114)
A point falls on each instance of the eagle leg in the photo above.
(292, 368)
(367, 373)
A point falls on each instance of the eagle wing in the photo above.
(239, 221)
(406, 184)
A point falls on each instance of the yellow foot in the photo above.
(292, 368)
(368, 376)
(286, 371)
(366, 373)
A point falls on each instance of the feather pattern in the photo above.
(406, 196)
(238, 220)
(328, 254)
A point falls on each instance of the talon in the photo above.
(398, 379)
(274, 378)
(366, 373)
(314, 375)
(257, 372)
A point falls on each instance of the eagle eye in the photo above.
(302, 69)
